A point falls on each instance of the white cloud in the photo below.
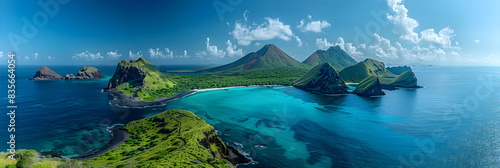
(340, 42)
(273, 28)
(134, 55)
(299, 41)
(244, 15)
(477, 41)
(214, 51)
(89, 56)
(26, 57)
(35, 55)
(405, 26)
(353, 51)
(113, 54)
(349, 48)
(232, 51)
(443, 38)
(454, 53)
(323, 44)
(157, 53)
(383, 48)
(52, 58)
(386, 51)
(1, 54)
(185, 54)
(313, 26)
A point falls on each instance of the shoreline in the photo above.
(128, 101)
(119, 136)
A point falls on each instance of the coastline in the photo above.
(128, 101)
(119, 136)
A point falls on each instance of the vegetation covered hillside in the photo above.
(174, 138)
(363, 69)
(140, 79)
(322, 79)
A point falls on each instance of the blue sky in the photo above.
(96, 32)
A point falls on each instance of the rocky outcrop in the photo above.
(368, 87)
(86, 72)
(89, 73)
(140, 79)
(130, 74)
(405, 80)
(45, 73)
(322, 79)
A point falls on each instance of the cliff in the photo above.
(322, 79)
(140, 79)
(370, 86)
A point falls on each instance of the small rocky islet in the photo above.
(86, 72)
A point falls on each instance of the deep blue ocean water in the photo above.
(452, 122)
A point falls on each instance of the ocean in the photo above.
(452, 122)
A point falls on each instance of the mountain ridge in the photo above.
(337, 57)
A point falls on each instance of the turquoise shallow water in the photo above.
(449, 123)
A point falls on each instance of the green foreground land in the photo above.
(174, 138)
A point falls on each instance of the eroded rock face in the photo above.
(131, 74)
(369, 87)
(322, 79)
(88, 72)
(45, 73)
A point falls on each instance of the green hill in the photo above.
(322, 79)
(363, 69)
(399, 69)
(174, 138)
(406, 80)
(388, 80)
(268, 57)
(140, 79)
(337, 57)
(369, 86)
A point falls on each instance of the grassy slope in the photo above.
(148, 148)
(154, 81)
(368, 67)
(399, 69)
(406, 79)
(37, 163)
(366, 84)
(89, 69)
(321, 78)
